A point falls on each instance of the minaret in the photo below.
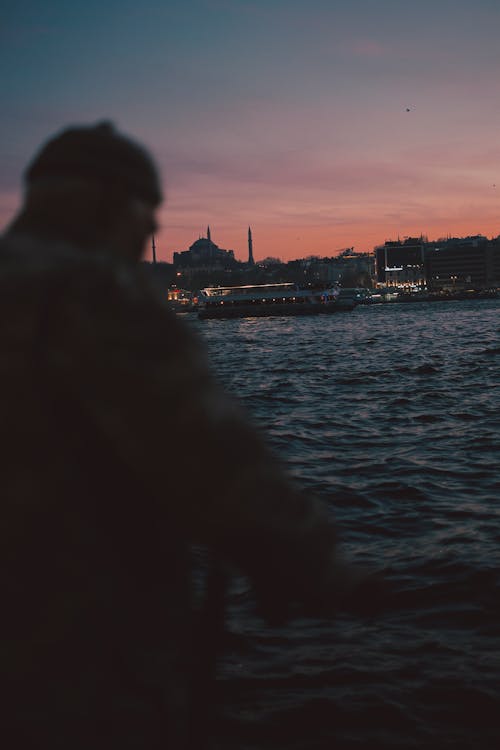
(153, 247)
(208, 235)
(250, 249)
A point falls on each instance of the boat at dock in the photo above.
(263, 300)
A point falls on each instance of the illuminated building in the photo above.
(401, 264)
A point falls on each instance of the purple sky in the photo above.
(287, 116)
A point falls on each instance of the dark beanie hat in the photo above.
(99, 154)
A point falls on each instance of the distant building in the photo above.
(351, 266)
(463, 263)
(347, 269)
(204, 255)
(401, 263)
(454, 263)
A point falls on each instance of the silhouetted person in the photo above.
(118, 452)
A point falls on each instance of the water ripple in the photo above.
(392, 415)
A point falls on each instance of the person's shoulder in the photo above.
(28, 254)
(93, 286)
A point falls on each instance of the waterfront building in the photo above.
(463, 263)
(354, 269)
(347, 268)
(401, 263)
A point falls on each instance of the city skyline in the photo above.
(321, 126)
(242, 254)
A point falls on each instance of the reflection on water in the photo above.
(392, 413)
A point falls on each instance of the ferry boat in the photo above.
(264, 300)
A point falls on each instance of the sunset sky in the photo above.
(286, 115)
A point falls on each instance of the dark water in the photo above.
(392, 413)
